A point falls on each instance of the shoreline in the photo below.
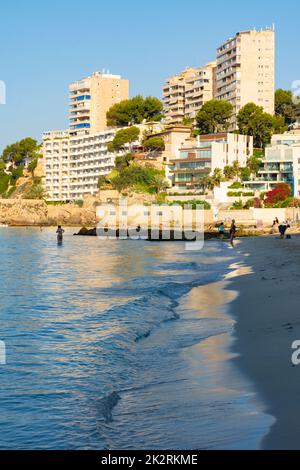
(267, 323)
(212, 363)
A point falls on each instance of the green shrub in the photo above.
(56, 203)
(4, 182)
(236, 185)
(32, 165)
(135, 176)
(10, 191)
(249, 204)
(262, 196)
(194, 203)
(16, 173)
(37, 191)
(237, 205)
(79, 203)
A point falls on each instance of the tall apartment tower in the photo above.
(185, 94)
(246, 70)
(91, 98)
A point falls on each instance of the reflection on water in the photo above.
(113, 345)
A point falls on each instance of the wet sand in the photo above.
(230, 413)
(267, 312)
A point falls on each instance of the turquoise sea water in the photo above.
(118, 345)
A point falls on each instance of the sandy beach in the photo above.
(268, 322)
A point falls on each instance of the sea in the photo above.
(120, 344)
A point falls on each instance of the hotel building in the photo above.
(56, 158)
(246, 70)
(196, 159)
(185, 94)
(73, 163)
(75, 158)
(91, 98)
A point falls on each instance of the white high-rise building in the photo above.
(73, 164)
(246, 70)
(185, 94)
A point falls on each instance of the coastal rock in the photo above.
(21, 212)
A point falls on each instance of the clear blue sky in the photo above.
(46, 45)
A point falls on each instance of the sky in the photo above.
(46, 45)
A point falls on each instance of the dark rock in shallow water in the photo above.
(87, 232)
(152, 235)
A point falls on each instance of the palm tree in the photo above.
(229, 172)
(206, 182)
(159, 184)
(236, 169)
(217, 177)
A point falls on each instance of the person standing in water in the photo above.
(60, 231)
(222, 231)
(232, 232)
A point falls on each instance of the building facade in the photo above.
(56, 158)
(246, 70)
(281, 164)
(198, 159)
(91, 98)
(199, 89)
(185, 94)
(73, 163)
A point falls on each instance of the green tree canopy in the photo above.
(123, 137)
(136, 176)
(135, 111)
(214, 116)
(245, 174)
(252, 120)
(154, 143)
(285, 107)
(19, 152)
(123, 161)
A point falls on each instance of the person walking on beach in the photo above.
(60, 231)
(222, 231)
(232, 232)
(282, 230)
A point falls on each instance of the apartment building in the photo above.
(73, 163)
(281, 164)
(89, 159)
(199, 158)
(91, 98)
(199, 89)
(246, 70)
(185, 94)
(56, 153)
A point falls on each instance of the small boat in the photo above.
(3, 226)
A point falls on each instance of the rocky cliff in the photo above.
(18, 212)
